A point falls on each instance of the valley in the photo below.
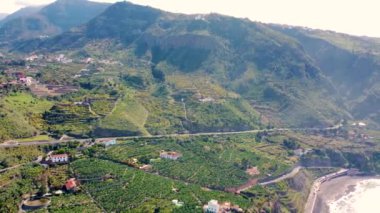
(128, 108)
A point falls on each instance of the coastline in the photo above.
(322, 194)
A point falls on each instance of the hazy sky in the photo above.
(358, 17)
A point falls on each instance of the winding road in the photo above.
(283, 177)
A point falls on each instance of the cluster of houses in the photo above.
(61, 58)
(214, 206)
(357, 136)
(19, 79)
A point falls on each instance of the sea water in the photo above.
(365, 198)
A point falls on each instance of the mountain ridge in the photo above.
(192, 44)
(49, 20)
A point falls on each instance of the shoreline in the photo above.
(323, 193)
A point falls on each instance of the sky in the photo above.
(357, 17)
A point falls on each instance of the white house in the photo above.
(60, 158)
(212, 207)
(178, 203)
(27, 80)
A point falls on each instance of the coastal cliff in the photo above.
(366, 162)
(293, 192)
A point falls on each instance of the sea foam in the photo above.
(363, 199)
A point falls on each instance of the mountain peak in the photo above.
(123, 20)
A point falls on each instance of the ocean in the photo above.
(362, 198)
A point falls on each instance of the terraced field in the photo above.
(137, 191)
(210, 162)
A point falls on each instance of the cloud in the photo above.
(27, 3)
(24, 3)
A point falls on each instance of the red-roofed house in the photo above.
(71, 184)
(60, 158)
(19, 75)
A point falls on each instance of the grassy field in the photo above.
(26, 103)
(35, 138)
(125, 119)
(21, 115)
(18, 155)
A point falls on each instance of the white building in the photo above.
(27, 81)
(212, 207)
(107, 141)
(178, 203)
(61, 158)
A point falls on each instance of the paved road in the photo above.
(293, 173)
(137, 137)
(283, 177)
(5, 145)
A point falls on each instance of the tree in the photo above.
(158, 74)
(245, 163)
(291, 144)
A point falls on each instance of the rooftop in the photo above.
(59, 156)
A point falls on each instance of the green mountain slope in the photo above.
(351, 63)
(268, 69)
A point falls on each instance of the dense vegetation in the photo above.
(217, 163)
(136, 191)
(267, 69)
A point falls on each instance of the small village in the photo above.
(23, 73)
